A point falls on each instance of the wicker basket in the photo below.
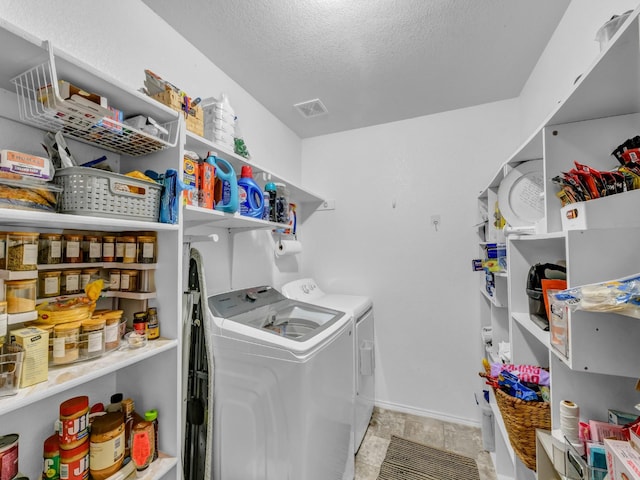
(521, 419)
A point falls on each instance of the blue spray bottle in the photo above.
(227, 193)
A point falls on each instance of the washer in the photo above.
(282, 397)
(361, 310)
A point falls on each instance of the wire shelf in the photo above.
(40, 104)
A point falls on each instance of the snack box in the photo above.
(35, 366)
(21, 194)
(25, 164)
(623, 462)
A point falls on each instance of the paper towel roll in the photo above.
(288, 247)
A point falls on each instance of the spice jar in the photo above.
(153, 326)
(107, 445)
(87, 276)
(49, 281)
(146, 249)
(114, 279)
(50, 248)
(74, 423)
(74, 463)
(71, 281)
(92, 337)
(109, 248)
(20, 295)
(128, 246)
(72, 248)
(22, 251)
(66, 338)
(3, 250)
(92, 248)
(128, 280)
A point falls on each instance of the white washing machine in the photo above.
(361, 310)
(282, 397)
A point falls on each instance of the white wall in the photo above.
(570, 51)
(425, 294)
(123, 37)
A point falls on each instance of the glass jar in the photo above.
(22, 251)
(109, 248)
(92, 337)
(112, 327)
(114, 279)
(92, 248)
(87, 276)
(73, 248)
(3, 250)
(71, 282)
(49, 281)
(20, 295)
(128, 280)
(153, 325)
(50, 249)
(3, 322)
(66, 342)
(140, 323)
(129, 251)
(146, 249)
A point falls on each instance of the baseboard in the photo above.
(427, 413)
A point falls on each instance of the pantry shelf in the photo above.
(524, 319)
(195, 217)
(67, 377)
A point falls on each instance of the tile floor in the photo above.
(461, 439)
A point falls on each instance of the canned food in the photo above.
(74, 423)
(8, 456)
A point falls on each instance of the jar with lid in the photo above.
(114, 279)
(128, 246)
(74, 463)
(51, 458)
(22, 251)
(108, 248)
(146, 249)
(3, 322)
(128, 280)
(66, 338)
(49, 282)
(72, 248)
(88, 275)
(153, 325)
(112, 327)
(107, 445)
(20, 295)
(140, 323)
(71, 281)
(92, 248)
(50, 249)
(92, 337)
(74, 423)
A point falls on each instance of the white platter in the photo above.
(520, 195)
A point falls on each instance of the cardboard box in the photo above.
(35, 366)
(194, 119)
(621, 418)
(206, 182)
(25, 164)
(623, 462)
(190, 177)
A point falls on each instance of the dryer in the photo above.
(360, 308)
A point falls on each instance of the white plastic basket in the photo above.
(89, 191)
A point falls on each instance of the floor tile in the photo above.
(385, 423)
(427, 431)
(485, 466)
(462, 439)
(373, 450)
(367, 472)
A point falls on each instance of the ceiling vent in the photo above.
(311, 108)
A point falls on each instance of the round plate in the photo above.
(520, 195)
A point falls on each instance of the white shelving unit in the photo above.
(600, 370)
(151, 375)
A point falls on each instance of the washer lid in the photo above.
(354, 305)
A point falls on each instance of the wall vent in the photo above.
(311, 108)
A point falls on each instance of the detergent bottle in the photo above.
(226, 188)
(250, 196)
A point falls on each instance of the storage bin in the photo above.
(11, 359)
(29, 195)
(89, 191)
(607, 212)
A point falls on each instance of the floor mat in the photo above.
(406, 460)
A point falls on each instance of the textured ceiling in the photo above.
(368, 61)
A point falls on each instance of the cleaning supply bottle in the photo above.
(250, 198)
(226, 188)
(271, 188)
